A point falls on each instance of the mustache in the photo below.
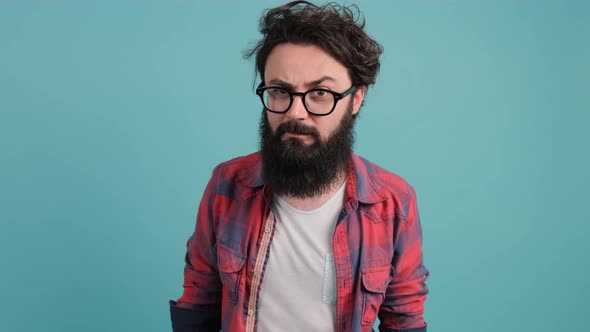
(294, 127)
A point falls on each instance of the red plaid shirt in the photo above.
(377, 252)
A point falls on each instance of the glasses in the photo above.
(316, 101)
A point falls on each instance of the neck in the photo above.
(314, 202)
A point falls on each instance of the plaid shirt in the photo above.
(377, 252)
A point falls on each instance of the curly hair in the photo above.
(338, 30)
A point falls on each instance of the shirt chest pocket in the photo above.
(374, 281)
(230, 265)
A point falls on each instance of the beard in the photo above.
(293, 168)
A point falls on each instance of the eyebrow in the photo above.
(314, 83)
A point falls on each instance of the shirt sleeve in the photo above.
(199, 307)
(403, 306)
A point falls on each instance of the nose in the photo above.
(297, 110)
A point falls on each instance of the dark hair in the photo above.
(334, 28)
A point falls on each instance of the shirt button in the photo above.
(256, 274)
(250, 312)
(267, 229)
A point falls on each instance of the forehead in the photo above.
(299, 64)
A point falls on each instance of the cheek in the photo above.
(274, 120)
(329, 124)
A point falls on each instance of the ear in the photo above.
(358, 96)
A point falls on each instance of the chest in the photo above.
(363, 237)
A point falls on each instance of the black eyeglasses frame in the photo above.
(337, 96)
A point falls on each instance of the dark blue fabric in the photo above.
(200, 318)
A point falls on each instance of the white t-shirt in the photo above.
(298, 292)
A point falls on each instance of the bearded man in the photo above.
(305, 235)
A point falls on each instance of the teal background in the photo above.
(113, 114)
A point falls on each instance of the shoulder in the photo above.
(385, 183)
(240, 164)
(245, 170)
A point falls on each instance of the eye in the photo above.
(274, 92)
(318, 93)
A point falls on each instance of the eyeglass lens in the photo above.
(316, 101)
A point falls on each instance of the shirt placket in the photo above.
(258, 272)
(343, 278)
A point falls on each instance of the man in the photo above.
(304, 235)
